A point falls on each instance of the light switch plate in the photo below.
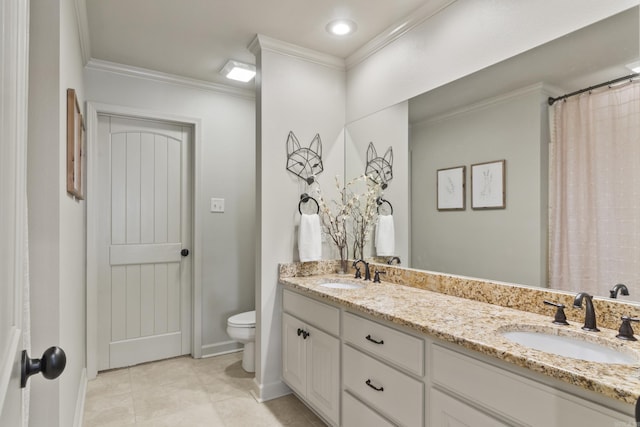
(217, 205)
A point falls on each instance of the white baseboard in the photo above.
(265, 392)
(220, 348)
(82, 393)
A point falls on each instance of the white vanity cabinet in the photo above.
(310, 355)
(467, 391)
(382, 367)
(384, 376)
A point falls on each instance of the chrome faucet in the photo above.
(590, 313)
(367, 272)
(620, 287)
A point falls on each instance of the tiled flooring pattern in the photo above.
(190, 392)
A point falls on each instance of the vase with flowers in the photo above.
(353, 205)
(364, 214)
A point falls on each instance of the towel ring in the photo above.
(304, 198)
(380, 201)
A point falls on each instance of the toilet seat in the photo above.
(243, 320)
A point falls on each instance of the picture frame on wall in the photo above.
(450, 183)
(488, 185)
(75, 146)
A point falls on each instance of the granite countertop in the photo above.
(477, 325)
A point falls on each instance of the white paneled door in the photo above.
(13, 178)
(144, 288)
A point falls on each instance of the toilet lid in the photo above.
(243, 320)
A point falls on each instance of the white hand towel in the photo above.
(385, 236)
(310, 238)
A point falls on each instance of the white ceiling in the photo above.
(194, 38)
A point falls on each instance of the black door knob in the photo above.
(50, 365)
(184, 252)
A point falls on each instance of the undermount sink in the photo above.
(340, 285)
(574, 347)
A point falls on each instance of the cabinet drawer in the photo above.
(397, 347)
(357, 414)
(398, 396)
(315, 313)
(447, 411)
(517, 399)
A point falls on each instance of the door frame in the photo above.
(93, 109)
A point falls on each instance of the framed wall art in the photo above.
(488, 185)
(75, 146)
(451, 188)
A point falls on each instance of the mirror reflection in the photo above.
(498, 113)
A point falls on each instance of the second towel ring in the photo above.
(380, 201)
(304, 198)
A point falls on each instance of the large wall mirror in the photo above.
(499, 113)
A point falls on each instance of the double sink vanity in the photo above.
(430, 349)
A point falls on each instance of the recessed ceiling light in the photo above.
(634, 66)
(341, 27)
(239, 71)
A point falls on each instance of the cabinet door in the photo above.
(294, 354)
(445, 411)
(323, 373)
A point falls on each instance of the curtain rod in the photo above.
(551, 100)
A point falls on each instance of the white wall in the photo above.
(305, 97)
(386, 128)
(227, 170)
(504, 244)
(56, 220)
(465, 37)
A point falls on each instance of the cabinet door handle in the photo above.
(305, 334)
(368, 337)
(299, 331)
(368, 382)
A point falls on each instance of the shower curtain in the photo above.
(594, 191)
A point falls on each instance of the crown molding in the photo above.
(397, 30)
(262, 42)
(144, 73)
(83, 30)
(485, 103)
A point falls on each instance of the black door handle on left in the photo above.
(184, 252)
(50, 365)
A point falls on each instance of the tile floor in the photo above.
(190, 392)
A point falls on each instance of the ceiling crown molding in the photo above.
(261, 42)
(144, 73)
(83, 30)
(486, 103)
(396, 31)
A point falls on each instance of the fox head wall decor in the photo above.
(379, 169)
(304, 162)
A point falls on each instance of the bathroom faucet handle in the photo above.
(376, 276)
(626, 331)
(358, 273)
(560, 318)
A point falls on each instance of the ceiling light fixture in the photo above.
(239, 71)
(341, 27)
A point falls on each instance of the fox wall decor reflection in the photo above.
(379, 169)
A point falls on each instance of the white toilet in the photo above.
(242, 327)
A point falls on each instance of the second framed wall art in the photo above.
(488, 185)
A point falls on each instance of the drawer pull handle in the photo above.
(368, 337)
(368, 382)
